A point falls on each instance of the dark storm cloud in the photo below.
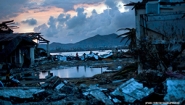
(49, 30)
(78, 20)
(69, 4)
(110, 3)
(52, 30)
(30, 22)
(66, 28)
(11, 8)
(42, 28)
(62, 18)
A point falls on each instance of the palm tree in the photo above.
(130, 35)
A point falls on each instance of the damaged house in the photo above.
(160, 32)
(18, 48)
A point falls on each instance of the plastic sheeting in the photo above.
(107, 55)
(92, 56)
(62, 58)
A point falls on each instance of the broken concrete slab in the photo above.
(58, 87)
(96, 92)
(101, 96)
(68, 89)
(20, 92)
(83, 86)
(96, 87)
(115, 100)
(131, 90)
(74, 102)
(41, 94)
(3, 102)
(56, 96)
(175, 90)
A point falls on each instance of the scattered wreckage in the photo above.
(92, 56)
(57, 91)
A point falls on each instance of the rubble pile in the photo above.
(58, 92)
(131, 91)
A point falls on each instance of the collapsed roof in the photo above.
(10, 41)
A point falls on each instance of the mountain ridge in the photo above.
(92, 43)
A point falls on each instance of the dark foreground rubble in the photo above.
(120, 87)
(56, 91)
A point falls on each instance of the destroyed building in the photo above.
(18, 48)
(160, 32)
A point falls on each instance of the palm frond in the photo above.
(123, 35)
(130, 35)
(120, 29)
(122, 39)
(127, 41)
(125, 29)
(128, 29)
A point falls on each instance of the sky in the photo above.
(68, 21)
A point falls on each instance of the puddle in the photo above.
(73, 72)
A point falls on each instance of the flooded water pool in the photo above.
(73, 72)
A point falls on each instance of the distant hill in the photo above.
(93, 43)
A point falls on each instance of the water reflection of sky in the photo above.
(73, 72)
